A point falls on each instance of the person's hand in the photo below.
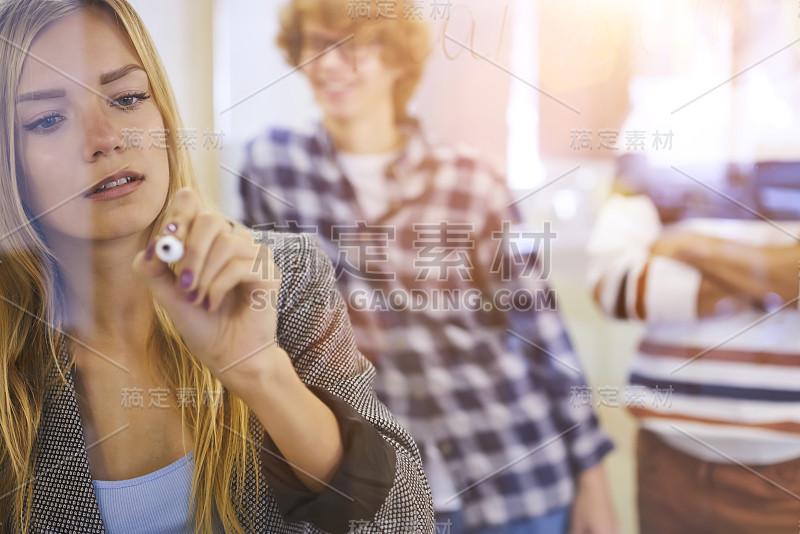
(675, 244)
(714, 299)
(209, 301)
(592, 511)
(757, 273)
(764, 275)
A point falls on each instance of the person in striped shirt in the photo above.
(712, 271)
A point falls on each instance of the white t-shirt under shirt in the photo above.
(367, 174)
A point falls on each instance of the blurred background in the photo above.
(555, 93)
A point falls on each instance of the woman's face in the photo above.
(85, 116)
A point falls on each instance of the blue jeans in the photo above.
(552, 523)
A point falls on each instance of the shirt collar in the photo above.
(413, 154)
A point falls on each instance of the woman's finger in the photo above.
(178, 217)
(236, 271)
(198, 257)
(180, 213)
(161, 282)
(226, 246)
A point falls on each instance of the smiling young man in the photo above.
(400, 216)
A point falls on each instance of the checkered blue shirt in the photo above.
(461, 325)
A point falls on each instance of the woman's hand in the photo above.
(210, 300)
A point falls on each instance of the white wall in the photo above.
(182, 31)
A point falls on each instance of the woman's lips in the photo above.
(118, 191)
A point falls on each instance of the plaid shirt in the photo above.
(429, 285)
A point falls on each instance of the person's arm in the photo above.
(627, 281)
(540, 335)
(751, 273)
(592, 509)
(279, 338)
(379, 485)
(636, 271)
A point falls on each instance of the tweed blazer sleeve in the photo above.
(314, 329)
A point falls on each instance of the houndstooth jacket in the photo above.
(314, 330)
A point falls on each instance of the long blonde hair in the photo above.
(31, 298)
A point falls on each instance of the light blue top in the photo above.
(156, 503)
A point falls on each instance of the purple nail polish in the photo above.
(148, 255)
(186, 278)
(171, 228)
(206, 304)
(192, 296)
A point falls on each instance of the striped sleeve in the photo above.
(626, 281)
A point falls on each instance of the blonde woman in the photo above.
(89, 315)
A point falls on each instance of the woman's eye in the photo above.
(45, 124)
(128, 102)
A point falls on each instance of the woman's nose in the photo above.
(102, 137)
